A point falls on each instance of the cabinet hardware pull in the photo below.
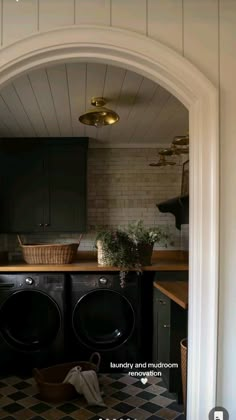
(162, 302)
(46, 224)
(40, 224)
(166, 325)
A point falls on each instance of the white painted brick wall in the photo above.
(122, 188)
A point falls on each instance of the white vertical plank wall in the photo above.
(53, 14)
(130, 15)
(96, 12)
(165, 22)
(227, 337)
(200, 29)
(19, 19)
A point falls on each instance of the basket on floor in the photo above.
(49, 253)
(50, 380)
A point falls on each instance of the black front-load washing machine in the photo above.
(31, 320)
(107, 318)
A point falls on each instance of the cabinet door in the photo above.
(171, 325)
(22, 185)
(66, 169)
(163, 346)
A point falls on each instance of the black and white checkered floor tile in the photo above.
(125, 397)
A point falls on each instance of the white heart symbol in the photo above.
(144, 380)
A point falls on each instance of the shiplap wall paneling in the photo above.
(96, 12)
(53, 14)
(20, 19)
(173, 122)
(95, 81)
(77, 90)
(40, 85)
(165, 22)
(14, 104)
(10, 124)
(158, 101)
(143, 98)
(4, 131)
(114, 77)
(58, 81)
(227, 337)
(25, 92)
(201, 36)
(129, 15)
(179, 124)
(161, 125)
(126, 102)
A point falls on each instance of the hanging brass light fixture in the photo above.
(99, 116)
(162, 161)
(179, 146)
(181, 140)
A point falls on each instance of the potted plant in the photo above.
(116, 248)
(144, 239)
(129, 248)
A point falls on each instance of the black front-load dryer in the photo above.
(106, 318)
(31, 320)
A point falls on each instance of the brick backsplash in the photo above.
(122, 187)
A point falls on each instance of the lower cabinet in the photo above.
(169, 328)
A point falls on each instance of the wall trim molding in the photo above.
(162, 65)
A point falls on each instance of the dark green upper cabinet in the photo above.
(43, 185)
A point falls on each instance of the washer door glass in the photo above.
(29, 320)
(103, 319)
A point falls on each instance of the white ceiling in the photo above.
(47, 103)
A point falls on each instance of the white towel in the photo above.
(85, 383)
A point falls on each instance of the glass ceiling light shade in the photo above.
(99, 116)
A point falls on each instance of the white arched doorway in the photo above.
(182, 79)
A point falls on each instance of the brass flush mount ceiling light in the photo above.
(99, 116)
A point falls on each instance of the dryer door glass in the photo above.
(29, 320)
(103, 319)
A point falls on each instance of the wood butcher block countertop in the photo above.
(87, 261)
(175, 290)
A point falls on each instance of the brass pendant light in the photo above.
(179, 146)
(162, 161)
(99, 116)
(181, 140)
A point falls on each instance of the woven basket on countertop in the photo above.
(49, 253)
(50, 380)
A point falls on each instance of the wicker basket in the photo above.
(184, 354)
(49, 253)
(50, 380)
